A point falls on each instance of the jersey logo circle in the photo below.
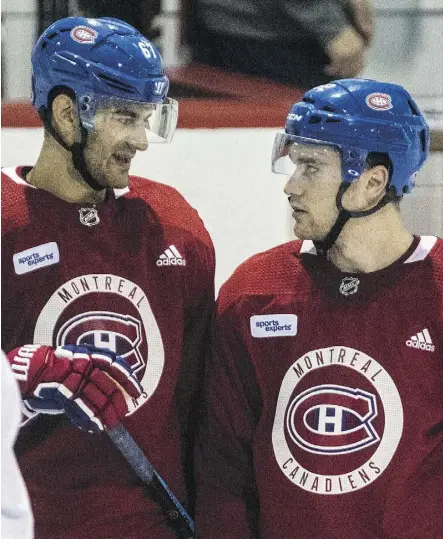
(379, 101)
(338, 421)
(107, 311)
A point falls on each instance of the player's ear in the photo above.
(377, 180)
(364, 193)
(64, 117)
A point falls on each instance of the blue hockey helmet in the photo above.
(359, 116)
(101, 59)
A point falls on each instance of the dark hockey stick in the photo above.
(177, 515)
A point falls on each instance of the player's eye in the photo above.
(124, 116)
(126, 120)
(311, 169)
(307, 167)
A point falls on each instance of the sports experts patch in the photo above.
(35, 258)
(273, 325)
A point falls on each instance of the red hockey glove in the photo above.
(86, 383)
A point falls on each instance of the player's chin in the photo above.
(307, 233)
(119, 180)
(302, 231)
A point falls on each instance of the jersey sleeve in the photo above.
(198, 316)
(226, 493)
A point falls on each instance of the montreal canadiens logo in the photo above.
(332, 420)
(379, 101)
(340, 436)
(84, 34)
(107, 311)
(120, 333)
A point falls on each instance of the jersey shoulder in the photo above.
(437, 252)
(428, 255)
(12, 180)
(15, 209)
(289, 268)
(435, 257)
(170, 207)
(273, 272)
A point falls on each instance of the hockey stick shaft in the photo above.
(176, 513)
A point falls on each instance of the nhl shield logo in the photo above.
(349, 286)
(89, 216)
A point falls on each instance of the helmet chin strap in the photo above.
(344, 215)
(76, 150)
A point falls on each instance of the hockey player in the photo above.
(110, 276)
(324, 395)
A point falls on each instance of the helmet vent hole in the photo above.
(51, 36)
(113, 83)
(328, 108)
(332, 120)
(308, 100)
(314, 120)
(413, 108)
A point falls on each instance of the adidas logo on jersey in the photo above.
(171, 257)
(422, 341)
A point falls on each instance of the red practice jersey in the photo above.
(134, 274)
(325, 400)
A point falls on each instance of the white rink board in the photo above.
(225, 174)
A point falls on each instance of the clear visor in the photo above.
(290, 152)
(144, 122)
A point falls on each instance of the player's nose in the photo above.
(139, 139)
(293, 186)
